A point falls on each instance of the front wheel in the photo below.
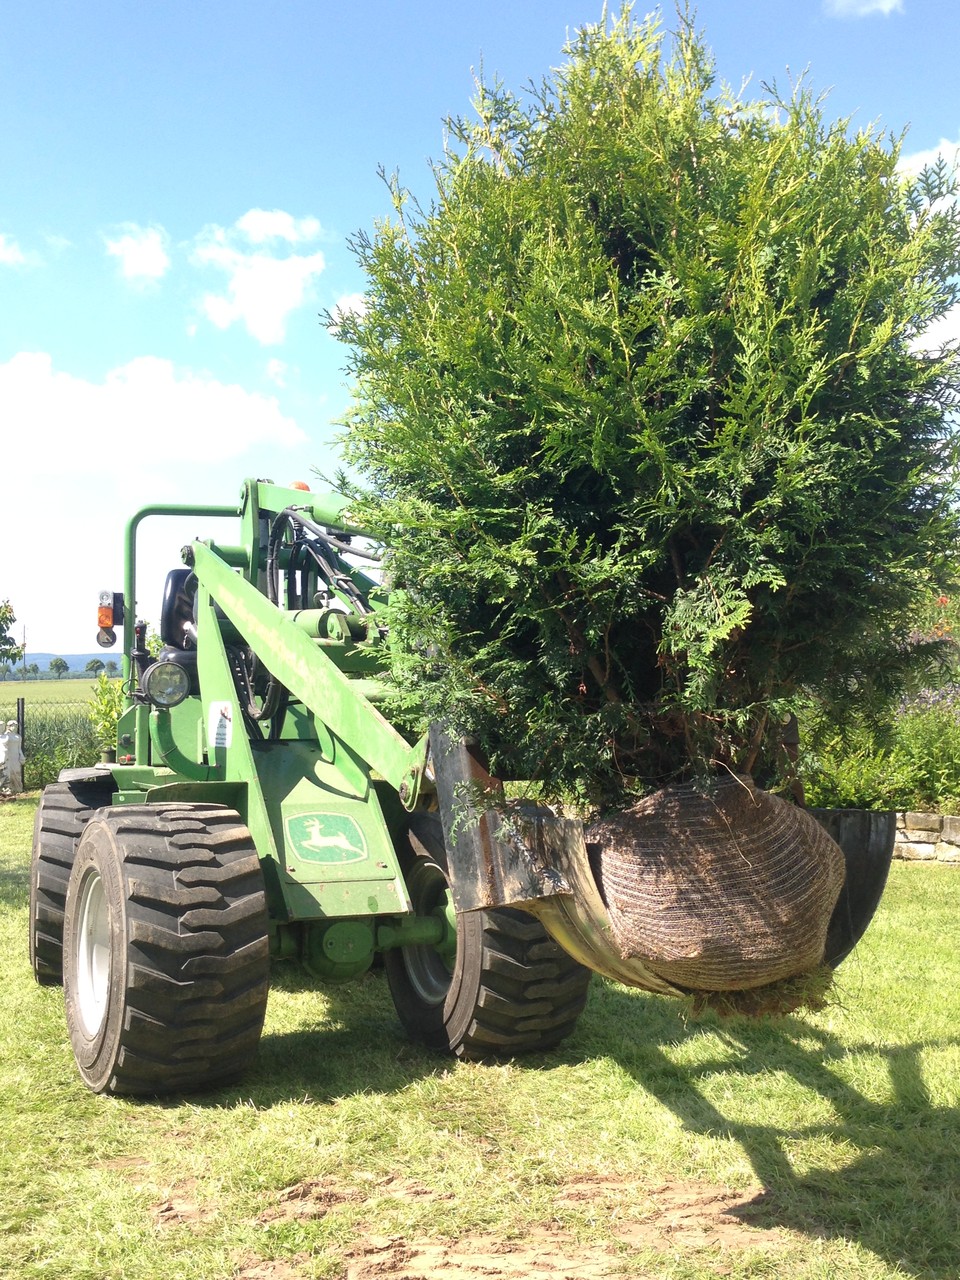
(65, 809)
(165, 949)
(507, 988)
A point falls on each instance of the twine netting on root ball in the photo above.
(724, 889)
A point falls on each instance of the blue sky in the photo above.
(179, 182)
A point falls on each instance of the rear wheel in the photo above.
(507, 989)
(166, 955)
(65, 809)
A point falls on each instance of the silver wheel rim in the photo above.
(93, 954)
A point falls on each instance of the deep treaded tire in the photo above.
(510, 989)
(65, 809)
(166, 957)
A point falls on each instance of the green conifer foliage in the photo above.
(644, 410)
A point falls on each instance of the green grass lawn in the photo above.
(348, 1152)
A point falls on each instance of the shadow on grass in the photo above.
(14, 888)
(355, 1046)
(898, 1197)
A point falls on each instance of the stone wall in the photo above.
(927, 837)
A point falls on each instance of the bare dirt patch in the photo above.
(180, 1208)
(690, 1215)
(676, 1217)
(257, 1269)
(312, 1199)
(316, 1197)
(543, 1255)
(408, 1189)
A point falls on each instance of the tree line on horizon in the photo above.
(58, 669)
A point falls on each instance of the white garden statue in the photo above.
(12, 759)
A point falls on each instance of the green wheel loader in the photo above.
(261, 804)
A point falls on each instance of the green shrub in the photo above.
(855, 772)
(907, 760)
(106, 706)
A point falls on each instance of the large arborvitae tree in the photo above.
(644, 411)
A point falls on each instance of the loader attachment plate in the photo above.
(527, 858)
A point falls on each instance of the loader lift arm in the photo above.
(342, 703)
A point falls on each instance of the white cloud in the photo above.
(277, 372)
(264, 285)
(860, 8)
(914, 163)
(68, 419)
(82, 456)
(57, 244)
(351, 304)
(142, 252)
(260, 225)
(944, 330)
(11, 255)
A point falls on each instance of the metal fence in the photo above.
(56, 734)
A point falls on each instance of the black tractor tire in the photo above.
(65, 809)
(510, 989)
(166, 956)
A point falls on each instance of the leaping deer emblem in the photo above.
(318, 843)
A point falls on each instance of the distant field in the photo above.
(45, 692)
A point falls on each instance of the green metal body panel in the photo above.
(308, 791)
(334, 848)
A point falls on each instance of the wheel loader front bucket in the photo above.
(529, 859)
(532, 859)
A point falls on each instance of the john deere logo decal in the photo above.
(326, 837)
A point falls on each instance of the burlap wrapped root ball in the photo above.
(723, 890)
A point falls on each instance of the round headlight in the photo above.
(166, 684)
